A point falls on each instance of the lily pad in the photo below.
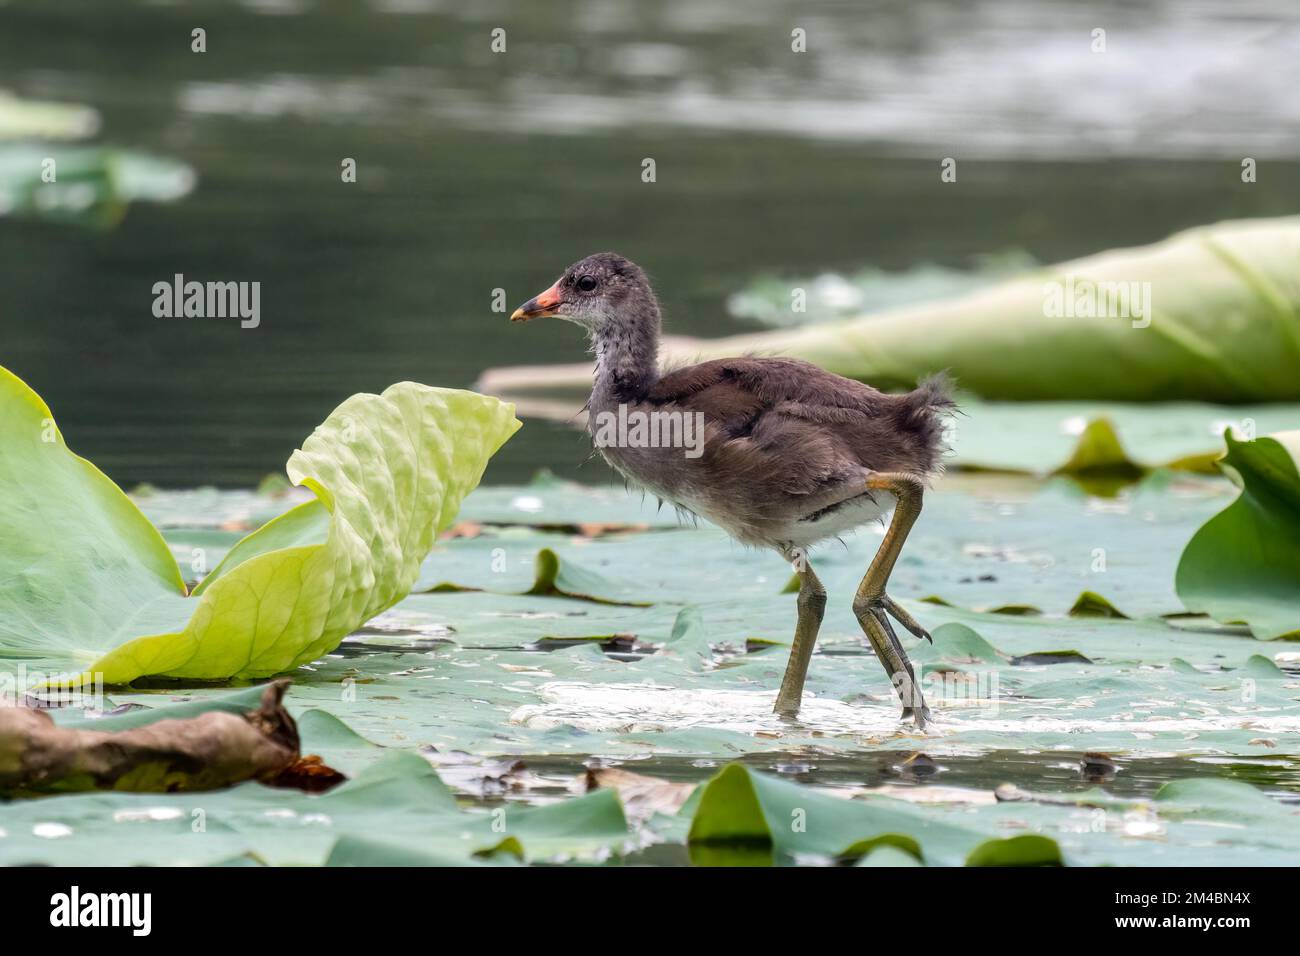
(1243, 565)
(745, 812)
(1025, 850)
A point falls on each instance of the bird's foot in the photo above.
(886, 603)
(921, 715)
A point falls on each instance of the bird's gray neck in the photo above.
(627, 357)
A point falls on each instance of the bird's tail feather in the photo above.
(924, 410)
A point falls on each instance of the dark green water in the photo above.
(479, 171)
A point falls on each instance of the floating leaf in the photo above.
(1099, 452)
(865, 848)
(483, 564)
(1028, 849)
(752, 813)
(1101, 441)
(35, 119)
(1092, 604)
(957, 643)
(91, 185)
(1068, 656)
(1243, 565)
(888, 855)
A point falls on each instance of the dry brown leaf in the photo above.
(462, 529)
(642, 796)
(213, 750)
(308, 773)
(598, 529)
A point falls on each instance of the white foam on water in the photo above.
(629, 708)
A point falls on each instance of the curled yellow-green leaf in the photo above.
(90, 584)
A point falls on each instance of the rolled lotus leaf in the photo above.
(1209, 314)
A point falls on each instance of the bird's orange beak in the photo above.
(539, 306)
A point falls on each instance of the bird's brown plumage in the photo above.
(791, 410)
(786, 444)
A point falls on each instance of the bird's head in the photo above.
(597, 292)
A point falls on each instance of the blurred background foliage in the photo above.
(479, 171)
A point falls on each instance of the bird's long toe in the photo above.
(921, 715)
(905, 619)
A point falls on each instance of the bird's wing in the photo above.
(801, 426)
(736, 386)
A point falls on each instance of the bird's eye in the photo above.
(587, 284)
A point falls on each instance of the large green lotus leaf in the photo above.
(307, 524)
(92, 185)
(1243, 565)
(89, 580)
(392, 471)
(81, 569)
(1224, 326)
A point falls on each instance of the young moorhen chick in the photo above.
(791, 454)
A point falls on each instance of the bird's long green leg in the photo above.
(870, 604)
(812, 605)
